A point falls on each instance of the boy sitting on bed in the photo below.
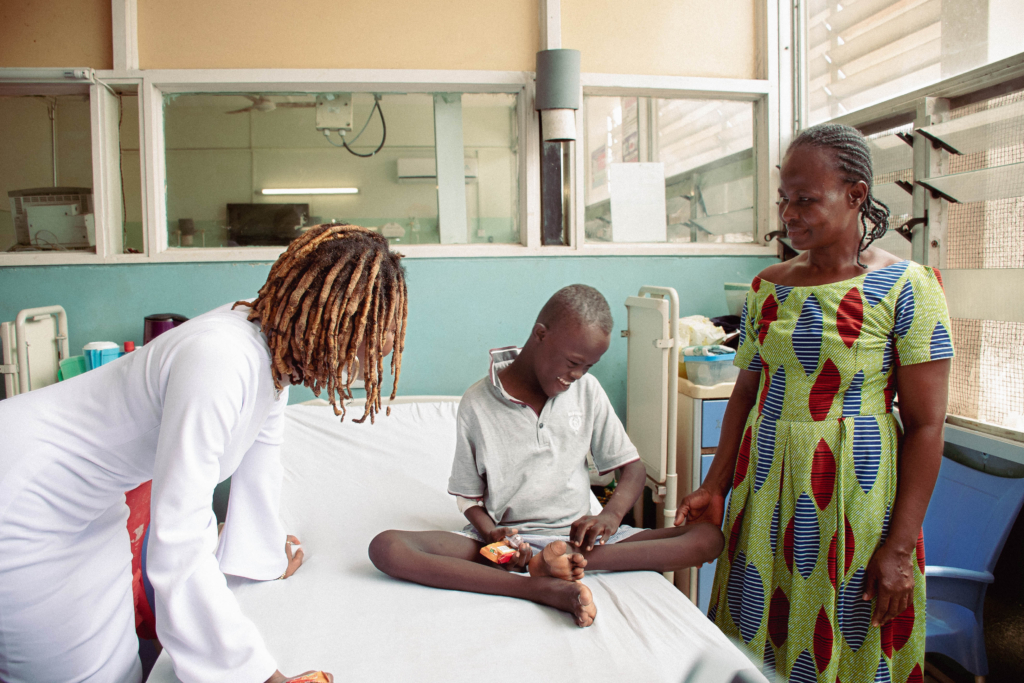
(520, 467)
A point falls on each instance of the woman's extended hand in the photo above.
(701, 506)
(890, 577)
(294, 558)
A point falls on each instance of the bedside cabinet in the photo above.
(700, 410)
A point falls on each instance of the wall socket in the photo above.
(334, 112)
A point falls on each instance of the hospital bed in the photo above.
(344, 483)
(674, 423)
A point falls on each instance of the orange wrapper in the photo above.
(499, 552)
(315, 677)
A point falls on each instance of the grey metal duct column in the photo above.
(558, 98)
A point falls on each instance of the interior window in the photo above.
(668, 170)
(255, 169)
(46, 174)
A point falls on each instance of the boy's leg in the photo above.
(662, 550)
(446, 560)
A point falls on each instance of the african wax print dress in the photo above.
(815, 476)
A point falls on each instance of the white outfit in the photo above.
(191, 408)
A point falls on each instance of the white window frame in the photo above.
(103, 126)
(766, 151)
(160, 83)
(771, 93)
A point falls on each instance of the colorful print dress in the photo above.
(815, 476)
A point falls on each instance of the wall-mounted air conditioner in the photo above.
(425, 169)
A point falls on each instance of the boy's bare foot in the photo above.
(556, 561)
(572, 597)
(584, 611)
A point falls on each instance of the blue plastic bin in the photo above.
(95, 357)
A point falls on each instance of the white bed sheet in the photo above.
(344, 483)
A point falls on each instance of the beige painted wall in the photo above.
(56, 33)
(351, 34)
(663, 37)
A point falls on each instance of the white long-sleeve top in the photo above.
(188, 410)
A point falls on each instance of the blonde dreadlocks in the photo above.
(335, 287)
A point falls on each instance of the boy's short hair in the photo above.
(580, 302)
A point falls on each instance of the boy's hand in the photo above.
(521, 560)
(524, 553)
(499, 533)
(586, 529)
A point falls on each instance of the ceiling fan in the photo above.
(262, 103)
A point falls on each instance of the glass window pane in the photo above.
(131, 172)
(892, 161)
(492, 167)
(707, 147)
(986, 380)
(704, 155)
(604, 140)
(861, 52)
(46, 169)
(988, 233)
(223, 151)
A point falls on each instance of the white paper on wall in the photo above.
(638, 202)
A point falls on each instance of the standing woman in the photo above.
(193, 407)
(823, 573)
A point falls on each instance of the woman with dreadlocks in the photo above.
(196, 405)
(823, 574)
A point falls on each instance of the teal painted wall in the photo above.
(458, 308)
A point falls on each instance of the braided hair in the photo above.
(334, 287)
(852, 157)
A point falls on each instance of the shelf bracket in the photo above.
(937, 193)
(905, 186)
(907, 229)
(939, 143)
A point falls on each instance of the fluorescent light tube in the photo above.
(46, 75)
(310, 190)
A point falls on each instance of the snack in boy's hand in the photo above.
(502, 551)
(499, 552)
(312, 677)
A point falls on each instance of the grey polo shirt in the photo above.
(529, 471)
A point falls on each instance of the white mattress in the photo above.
(344, 483)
